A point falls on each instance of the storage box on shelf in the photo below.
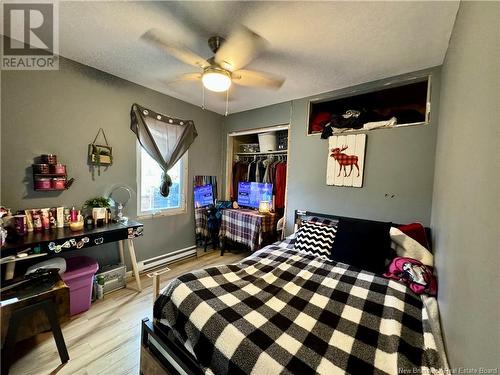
(49, 175)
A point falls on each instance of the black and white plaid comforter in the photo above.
(280, 311)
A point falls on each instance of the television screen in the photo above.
(203, 196)
(250, 194)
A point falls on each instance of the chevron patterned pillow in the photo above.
(315, 239)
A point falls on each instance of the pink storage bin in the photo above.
(79, 277)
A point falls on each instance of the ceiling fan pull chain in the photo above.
(202, 97)
(227, 102)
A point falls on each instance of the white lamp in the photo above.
(215, 79)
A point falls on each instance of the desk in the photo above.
(52, 242)
(246, 226)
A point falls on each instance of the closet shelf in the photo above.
(262, 153)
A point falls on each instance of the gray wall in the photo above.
(398, 161)
(466, 203)
(60, 111)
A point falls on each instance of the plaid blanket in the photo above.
(283, 312)
(201, 222)
(246, 226)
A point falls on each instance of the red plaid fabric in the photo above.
(246, 226)
(343, 159)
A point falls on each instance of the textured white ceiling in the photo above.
(317, 46)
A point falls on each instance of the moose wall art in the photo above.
(346, 160)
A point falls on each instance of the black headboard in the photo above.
(300, 214)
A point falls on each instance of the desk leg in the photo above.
(56, 331)
(9, 270)
(135, 268)
(10, 342)
(156, 286)
(222, 245)
(122, 256)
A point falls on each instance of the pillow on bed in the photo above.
(417, 232)
(363, 244)
(407, 247)
(315, 239)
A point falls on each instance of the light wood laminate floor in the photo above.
(106, 338)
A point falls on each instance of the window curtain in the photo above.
(164, 138)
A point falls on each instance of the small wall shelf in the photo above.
(43, 180)
(48, 175)
(51, 189)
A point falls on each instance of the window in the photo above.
(150, 201)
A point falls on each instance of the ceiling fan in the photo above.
(226, 66)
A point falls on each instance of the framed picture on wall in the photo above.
(346, 160)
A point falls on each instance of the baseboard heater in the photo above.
(168, 258)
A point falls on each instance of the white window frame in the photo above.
(165, 211)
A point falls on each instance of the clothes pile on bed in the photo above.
(283, 310)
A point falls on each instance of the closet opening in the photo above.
(259, 156)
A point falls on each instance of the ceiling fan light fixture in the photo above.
(215, 79)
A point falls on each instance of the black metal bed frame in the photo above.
(171, 355)
(160, 341)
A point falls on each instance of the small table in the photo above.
(33, 313)
(201, 226)
(51, 242)
(204, 234)
(246, 226)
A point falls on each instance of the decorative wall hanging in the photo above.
(100, 154)
(346, 159)
(164, 138)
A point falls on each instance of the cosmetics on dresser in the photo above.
(45, 218)
(60, 217)
(53, 218)
(73, 214)
(67, 217)
(37, 220)
(89, 221)
(29, 220)
(20, 224)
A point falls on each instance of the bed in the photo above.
(283, 311)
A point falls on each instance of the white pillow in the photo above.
(407, 247)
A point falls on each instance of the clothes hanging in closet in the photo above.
(268, 170)
(280, 178)
(240, 174)
(206, 180)
(252, 172)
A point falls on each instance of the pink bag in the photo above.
(416, 275)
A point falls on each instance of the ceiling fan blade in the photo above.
(253, 78)
(187, 77)
(242, 46)
(157, 39)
